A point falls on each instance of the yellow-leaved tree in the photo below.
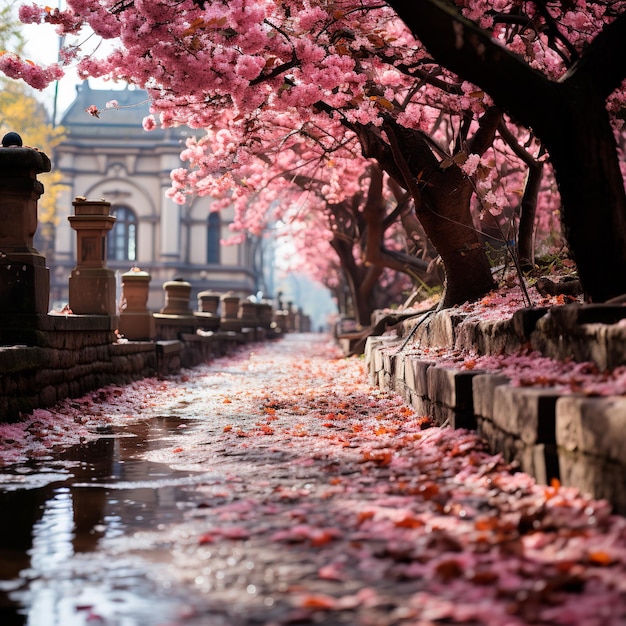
(22, 112)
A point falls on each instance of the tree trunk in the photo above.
(593, 214)
(530, 197)
(442, 194)
(361, 281)
(527, 218)
(569, 117)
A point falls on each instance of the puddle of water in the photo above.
(54, 514)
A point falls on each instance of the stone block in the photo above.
(539, 460)
(415, 374)
(575, 332)
(368, 353)
(615, 346)
(374, 357)
(168, 347)
(399, 384)
(525, 321)
(419, 327)
(450, 391)
(526, 412)
(466, 334)
(483, 386)
(496, 337)
(451, 387)
(592, 426)
(595, 476)
(47, 396)
(542, 462)
(15, 359)
(421, 404)
(389, 363)
(442, 327)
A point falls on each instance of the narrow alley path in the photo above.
(275, 487)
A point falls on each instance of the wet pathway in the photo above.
(276, 487)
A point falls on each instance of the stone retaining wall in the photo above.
(579, 440)
(76, 354)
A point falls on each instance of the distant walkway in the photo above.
(312, 498)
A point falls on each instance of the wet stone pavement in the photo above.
(275, 486)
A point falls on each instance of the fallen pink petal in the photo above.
(383, 519)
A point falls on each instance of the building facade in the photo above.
(113, 158)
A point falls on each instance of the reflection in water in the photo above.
(53, 515)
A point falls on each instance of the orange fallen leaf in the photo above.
(382, 458)
(364, 516)
(322, 538)
(318, 601)
(449, 569)
(409, 522)
(600, 557)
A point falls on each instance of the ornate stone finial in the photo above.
(12, 139)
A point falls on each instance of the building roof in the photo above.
(123, 123)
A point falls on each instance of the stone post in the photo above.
(92, 286)
(207, 313)
(24, 277)
(136, 321)
(177, 296)
(176, 319)
(230, 313)
(208, 302)
(248, 313)
(266, 314)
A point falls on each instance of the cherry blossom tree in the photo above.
(365, 237)
(285, 74)
(564, 68)
(298, 87)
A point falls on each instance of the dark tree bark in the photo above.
(362, 222)
(528, 205)
(568, 116)
(360, 279)
(442, 194)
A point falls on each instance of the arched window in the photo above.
(122, 239)
(214, 235)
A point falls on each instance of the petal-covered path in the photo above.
(322, 500)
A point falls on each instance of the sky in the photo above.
(42, 45)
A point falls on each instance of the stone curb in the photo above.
(578, 440)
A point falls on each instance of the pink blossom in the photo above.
(149, 123)
(470, 165)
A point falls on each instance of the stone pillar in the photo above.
(176, 319)
(207, 313)
(177, 295)
(266, 314)
(170, 230)
(136, 321)
(230, 313)
(24, 277)
(92, 286)
(209, 302)
(248, 314)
